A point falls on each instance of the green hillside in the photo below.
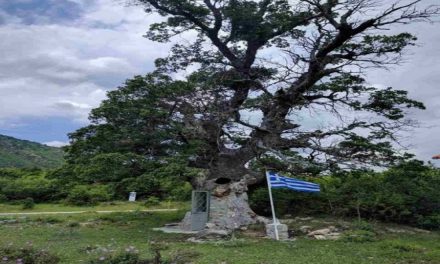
(26, 154)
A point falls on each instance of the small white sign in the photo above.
(132, 197)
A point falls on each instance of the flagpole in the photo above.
(275, 224)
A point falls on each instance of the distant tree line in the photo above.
(407, 193)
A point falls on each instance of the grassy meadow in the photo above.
(78, 238)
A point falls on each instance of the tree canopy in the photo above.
(261, 75)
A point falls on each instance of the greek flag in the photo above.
(277, 181)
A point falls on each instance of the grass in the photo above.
(110, 206)
(80, 237)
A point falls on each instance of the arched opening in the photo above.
(222, 180)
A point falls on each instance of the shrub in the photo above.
(28, 203)
(3, 198)
(363, 225)
(20, 184)
(404, 247)
(123, 258)
(88, 195)
(49, 220)
(359, 236)
(181, 192)
(152, 201)
(406, 194)
(27, 255)
(430, 221)
(73, 224)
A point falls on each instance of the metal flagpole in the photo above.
(275, 224)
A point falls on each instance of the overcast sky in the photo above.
(59, 57)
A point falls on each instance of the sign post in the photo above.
(132, 197)
(275, 222)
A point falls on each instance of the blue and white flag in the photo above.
(277, 181)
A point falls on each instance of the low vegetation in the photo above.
(404, 194)
(108, 238)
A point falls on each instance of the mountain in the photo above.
(26, 154)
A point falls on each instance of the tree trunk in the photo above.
(229, 206)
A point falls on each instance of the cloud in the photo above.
(43, 11)
(57, 144)
(64, 68)
(419, 76)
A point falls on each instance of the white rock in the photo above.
(305, 229)
(323, 232)
(210, 225)
(333, 236)
(283, 233)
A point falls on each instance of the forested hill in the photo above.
(26, 154)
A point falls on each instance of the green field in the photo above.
(78, 238)
(110, 206)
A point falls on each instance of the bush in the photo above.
(83, 195)
(406, 194)
(28, 203)
(18, 184)
(181, 192)
(27, 255)
(3, 198)
(123, 258)
(152, 201)
(430, 221)
(363, 225)
(359, 236)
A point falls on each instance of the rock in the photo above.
(172, 225)
(305, 229)
(288, 221)
(88, 224)
(322, 232)
(397, 231)
(210, 226)
(329, 236)
(263, 220)
(195, 240)
(186, 222)
(333, 236)
(213, 234)
(422, 231)
(12, 221)
(304, 218)
(221, 190)
(282, 231)
(319, 237)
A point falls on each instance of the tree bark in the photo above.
(229, 204)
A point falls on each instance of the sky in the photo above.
(60, 57)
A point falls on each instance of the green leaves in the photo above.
(379, 45)
(389, 103)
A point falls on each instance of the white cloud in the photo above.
(65, 69)
(57, 144)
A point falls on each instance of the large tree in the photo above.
(262, 71)
(277, 61)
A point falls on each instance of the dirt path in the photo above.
(82, 212)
